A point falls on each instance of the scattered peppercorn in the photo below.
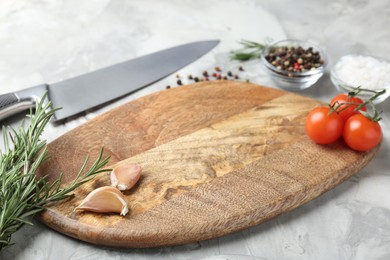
(206, 76)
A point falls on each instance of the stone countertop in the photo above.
(48, 41)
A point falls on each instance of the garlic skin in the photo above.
(104, 200)
(125, 176)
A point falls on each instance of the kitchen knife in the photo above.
(86, 91)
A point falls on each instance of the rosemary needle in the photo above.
(22, 193)
(250, 50)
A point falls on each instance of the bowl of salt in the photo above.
(367, 72)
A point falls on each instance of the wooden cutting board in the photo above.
(217, 157)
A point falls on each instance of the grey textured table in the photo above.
(47, 41)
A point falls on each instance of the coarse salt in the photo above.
(364, 71)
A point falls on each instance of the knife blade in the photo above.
(95, 88)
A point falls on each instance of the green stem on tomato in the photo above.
(359, 89)
(337, 105)
(376, 117)
(371, 99)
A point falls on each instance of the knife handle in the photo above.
(8, 99)
(13, 103)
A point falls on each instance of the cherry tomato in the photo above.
(349, 110)
(361, 133)
(324, 127)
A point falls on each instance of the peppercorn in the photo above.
(206, 76)
(294, 59)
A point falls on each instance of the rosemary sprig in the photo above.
(250, 50)
(22, 193)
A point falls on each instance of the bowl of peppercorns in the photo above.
(294, 64)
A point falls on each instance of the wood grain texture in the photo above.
(217, 157)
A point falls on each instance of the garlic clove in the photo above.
(104, 200)
(125, 176)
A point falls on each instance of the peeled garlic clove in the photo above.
(125, 176)
(105, 199)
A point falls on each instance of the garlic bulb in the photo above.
(125, 176)
(105, 199)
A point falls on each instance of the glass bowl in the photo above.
(370, 67)
(294, 79)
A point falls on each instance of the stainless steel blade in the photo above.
(92, 89)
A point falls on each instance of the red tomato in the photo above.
(347, 110)
(324, 127)
(361, 133)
